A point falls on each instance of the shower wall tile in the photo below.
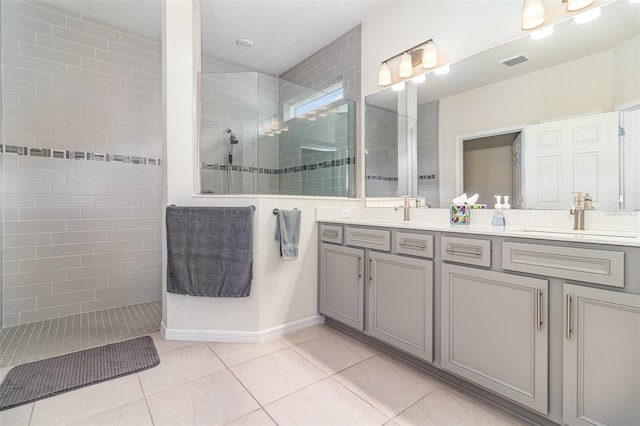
(76, 228)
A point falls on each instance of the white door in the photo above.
(575, 154)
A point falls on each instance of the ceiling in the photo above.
(284, 32)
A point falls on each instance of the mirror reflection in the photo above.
(532, 119)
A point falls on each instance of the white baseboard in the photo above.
(239, 336)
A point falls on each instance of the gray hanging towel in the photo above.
(210, 251)
(288, 232)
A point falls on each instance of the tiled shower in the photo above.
(82, 147)
(82, 175)
(291, 139)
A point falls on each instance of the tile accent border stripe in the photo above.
(78, 155)
(395, 179)
(296, 169)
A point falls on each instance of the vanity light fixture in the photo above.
(532, 14)
(424, 53)
(384, 75)
(405, 69)
(429, 55)
(573, 5)
(587, 16)
(542, 33)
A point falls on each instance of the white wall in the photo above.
(626, 72)
(577, 87)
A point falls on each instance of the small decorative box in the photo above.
(459, 214)
(478, 206)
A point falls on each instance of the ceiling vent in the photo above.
(515, 60)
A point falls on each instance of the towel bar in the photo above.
(276, 211)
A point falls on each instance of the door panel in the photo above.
(576, 154)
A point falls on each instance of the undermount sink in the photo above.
(587, 233)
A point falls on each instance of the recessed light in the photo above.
(244, 43)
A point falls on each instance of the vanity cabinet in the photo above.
(601, 357)
(398, 290)
(494, 332)
(341, 284)
(400, 302)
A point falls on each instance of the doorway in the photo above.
(490, 165)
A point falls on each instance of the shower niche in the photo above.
(263, 135)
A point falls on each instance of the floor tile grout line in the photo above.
(57, 336)
(361, 398)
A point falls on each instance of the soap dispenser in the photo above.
(497, 221)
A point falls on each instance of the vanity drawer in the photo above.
(414, 244)
(466, 250)
(368, 238)
(331, 233)
(587, 265)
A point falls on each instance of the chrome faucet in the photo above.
(581, 201)
(406, 207)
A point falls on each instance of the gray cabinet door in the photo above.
(400, 294)
(341, 284)
(601, 357)
(494, 332)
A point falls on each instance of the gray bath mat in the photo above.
(48, 377)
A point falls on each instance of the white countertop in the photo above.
(622, 230)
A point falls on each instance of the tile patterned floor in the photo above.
(44, 339)
(317, 376)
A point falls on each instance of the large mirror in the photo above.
(532, 119)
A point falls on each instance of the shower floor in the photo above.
(44, 339)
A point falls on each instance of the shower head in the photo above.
(229, 137)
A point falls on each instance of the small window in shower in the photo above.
(317, 102)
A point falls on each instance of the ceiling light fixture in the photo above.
(587, 16)
(424, 53)
(244, 43)
(532, 14)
